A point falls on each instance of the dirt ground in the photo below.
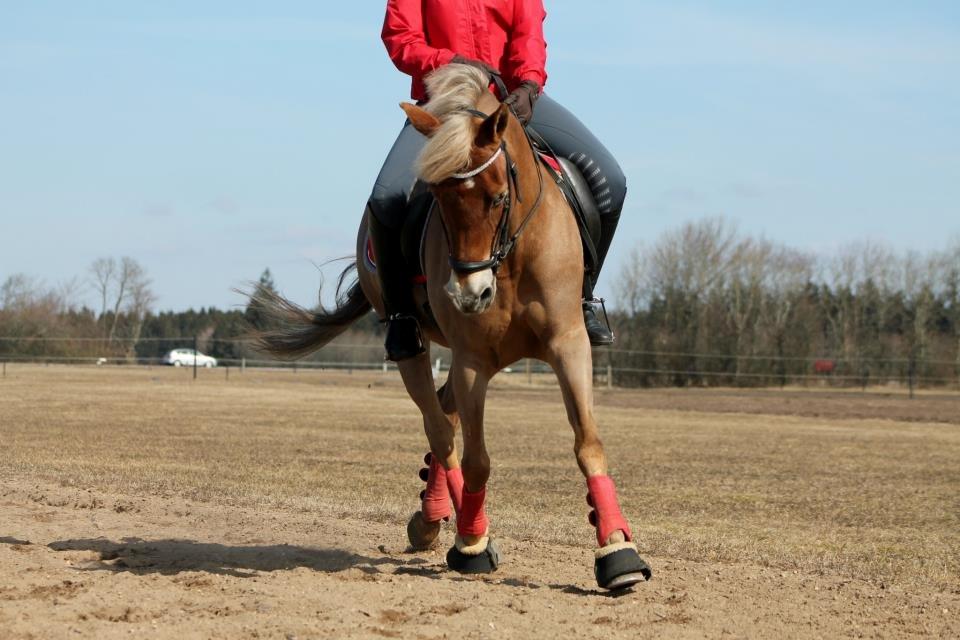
(140, 503)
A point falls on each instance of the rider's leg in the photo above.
(387, 210)
(572, 140)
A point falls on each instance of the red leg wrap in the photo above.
(607, 518)
(436, 499)
(471, 518)
(455, 487)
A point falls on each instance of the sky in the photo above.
(209, 140)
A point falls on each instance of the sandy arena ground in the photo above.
(140, 503)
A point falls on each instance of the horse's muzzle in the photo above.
(472, 293)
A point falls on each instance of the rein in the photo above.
(503, 242)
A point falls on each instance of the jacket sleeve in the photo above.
(403, 35)
(527, 48)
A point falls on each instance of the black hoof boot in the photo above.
(618, 566)
(598, 331)
(485, 561)
(403, 339)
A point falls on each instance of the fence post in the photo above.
(4, 368)
(227, 372)
(194, 357)
(529, 373)
(243, 364)
(609, 376)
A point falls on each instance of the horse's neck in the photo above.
(552, 222)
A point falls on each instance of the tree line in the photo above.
(702, 305)
(706, 304)
(38, 321)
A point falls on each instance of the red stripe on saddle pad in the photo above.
(370, 255)
(551, 161)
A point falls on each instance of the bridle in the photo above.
(503, 243)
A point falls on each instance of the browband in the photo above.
(478, 170)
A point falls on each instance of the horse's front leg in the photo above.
(443, 477)
(617, 562)
(473, 550)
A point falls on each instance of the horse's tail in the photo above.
(297, 331)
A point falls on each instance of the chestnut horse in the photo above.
(504, 270)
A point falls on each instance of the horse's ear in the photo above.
(421, 119)
(491, 130)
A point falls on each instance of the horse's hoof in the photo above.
(483, 557)
(618, 566)
(422, 535)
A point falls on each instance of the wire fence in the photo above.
(612, 367)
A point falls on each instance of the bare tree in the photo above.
(631, 286)
(749, 269)
(686, 269)
(140, 300)
(790, 271)
(950, 276)
(919, 277)
(67, 293)
(858, 273)
(843, 275)
(102, 272)
(694, 258)
(129, 274)
(17, 291)
(29, 310)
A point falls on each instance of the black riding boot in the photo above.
(599, 331)
(403, 338)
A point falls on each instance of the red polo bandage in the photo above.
(455, 487)
(471, 519)
(607, 518)
(436, 499)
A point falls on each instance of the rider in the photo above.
(500, 37)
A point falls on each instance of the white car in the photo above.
(186, 358)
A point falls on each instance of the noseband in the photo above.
(503, 242)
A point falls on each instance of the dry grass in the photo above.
(860, 496)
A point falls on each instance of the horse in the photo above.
(504, 268)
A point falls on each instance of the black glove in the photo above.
(522, 99)
(479, 64)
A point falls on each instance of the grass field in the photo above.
(853, 486)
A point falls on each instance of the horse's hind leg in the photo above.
(617, 564)
(424, 525)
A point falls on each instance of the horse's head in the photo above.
(466, 164)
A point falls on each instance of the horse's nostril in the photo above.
(487, 295)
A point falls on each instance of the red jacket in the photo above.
(422, 35)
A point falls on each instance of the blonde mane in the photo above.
(452, 89)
